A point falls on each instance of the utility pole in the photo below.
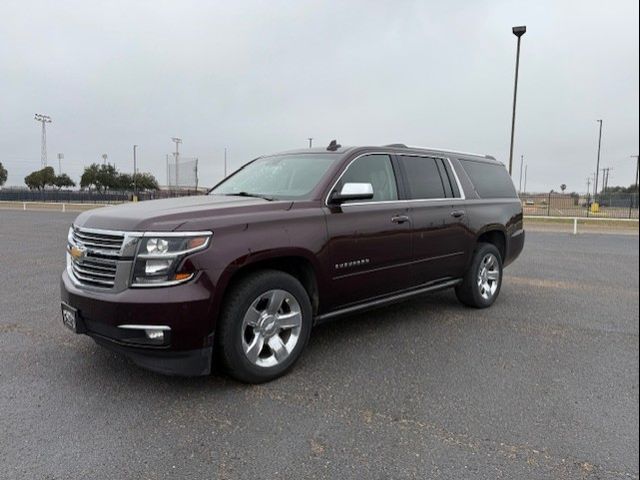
(196, 175)
(310, 142)
(177, 141)
(168, 173)
(43, 119)
(526, 167)
(135, 147)
(595, 188)
(637, 186)
(518, 32)
(605, 179)
(60, 157)
(225, 162)
(588, 187)
(521, 162)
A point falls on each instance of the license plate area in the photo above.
(70, 318)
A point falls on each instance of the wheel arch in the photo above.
(495, 235)
(298, 263)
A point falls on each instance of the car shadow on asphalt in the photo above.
(328, 340)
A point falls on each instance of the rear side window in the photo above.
(423, 177)
(489, 179)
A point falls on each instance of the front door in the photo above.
(369, 241)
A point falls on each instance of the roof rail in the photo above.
(453, 151)
(396, 145)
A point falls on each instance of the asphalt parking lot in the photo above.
(542, 385)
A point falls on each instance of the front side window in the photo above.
(423, 178)
(376, 170)
(285, 177)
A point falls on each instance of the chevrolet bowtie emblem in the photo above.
(77, 252)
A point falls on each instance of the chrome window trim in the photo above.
(412, 200)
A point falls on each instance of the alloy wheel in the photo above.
(271, 328)
(488, 276)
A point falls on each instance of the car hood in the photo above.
(177, 213)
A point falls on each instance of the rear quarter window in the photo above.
(491, 180)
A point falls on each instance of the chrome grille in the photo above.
(97, 264)
(99, 244)
(95, 273)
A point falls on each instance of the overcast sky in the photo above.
(260, 77)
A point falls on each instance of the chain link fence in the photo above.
(553, 204)
(183, 174)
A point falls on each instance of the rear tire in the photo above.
(264, 326)
(482, 281)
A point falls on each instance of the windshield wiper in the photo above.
(247, 194)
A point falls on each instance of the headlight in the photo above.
(158, 258)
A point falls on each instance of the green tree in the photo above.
(89, 177)
(107, 177)
(101, 177)
(3, 175)
(146, 181)
(63, 181)
(124, 181)
(40, 179)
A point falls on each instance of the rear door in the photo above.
(369, 241)
(440, 238)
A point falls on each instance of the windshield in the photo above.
(278, 177)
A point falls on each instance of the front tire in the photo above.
(483, 279)
(264, 326)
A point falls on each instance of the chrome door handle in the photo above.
(399, 219)
(457, 213)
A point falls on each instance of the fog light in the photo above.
(154, 334)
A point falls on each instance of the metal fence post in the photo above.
(549, 206)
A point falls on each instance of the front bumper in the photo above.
(184, 309)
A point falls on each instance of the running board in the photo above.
(386, 300)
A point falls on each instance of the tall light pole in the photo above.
(310, 142)
(104, 158)
(518, 32)
(43, 119)
(521, 162)
(225, 162)
(135, 147)
(595, 188)
(526, 167)
(637, 184)
(60, 157)
(177, 141)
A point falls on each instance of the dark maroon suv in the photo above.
(286, 242)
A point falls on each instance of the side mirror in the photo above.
(352, 191)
